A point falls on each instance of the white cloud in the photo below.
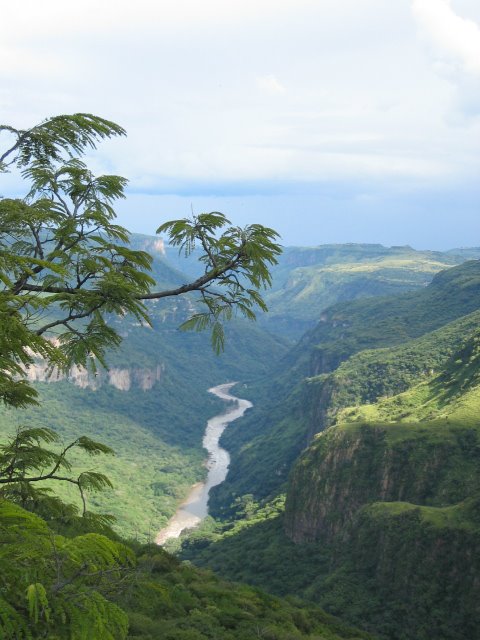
(452, 36)
(49, 17)
(240, 89)
(270, 84)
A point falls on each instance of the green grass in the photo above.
(309, 280)
(457, 516)
(452, 396)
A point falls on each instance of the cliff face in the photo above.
(397, 508)
(349, 467)
(358, 352)
(121, 378)
(409, 572)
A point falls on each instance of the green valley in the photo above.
(150, 408)
(350, 508)
(380, 523)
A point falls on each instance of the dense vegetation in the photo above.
(156, 433)
(91, 585)
(302, 398)
(381, 522)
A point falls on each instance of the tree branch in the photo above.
(71, 317)
(196, 285)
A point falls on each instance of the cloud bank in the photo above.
(250, 100)
(456, 37)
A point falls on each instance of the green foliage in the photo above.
(84, 587)
(52, 138)
(257, 551)
(58, 587)
(418, 445)
(237, 263)
(177, 601)
(24, 461)
(66, 268)
(349, 328)
(379, 373)
(59, 254)
(37, 602)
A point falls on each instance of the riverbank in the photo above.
(195, 507)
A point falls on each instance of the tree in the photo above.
(65, 266)
(65, 269)
(57, 587)
(24, 461)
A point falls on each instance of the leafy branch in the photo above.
(66, 267)
(25, 460)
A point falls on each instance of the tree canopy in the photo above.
(66, 269)
(66, 266)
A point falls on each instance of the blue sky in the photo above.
(332, 121)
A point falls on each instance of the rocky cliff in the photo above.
(350, 466)
(121, 378)
(408, 572)
(392, 489)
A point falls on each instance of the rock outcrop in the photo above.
(348, 467)
(121, 378)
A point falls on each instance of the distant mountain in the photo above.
(465, 253)
(309, 280)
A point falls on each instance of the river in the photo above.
(195, 508)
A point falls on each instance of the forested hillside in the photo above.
(150, 407)
(296, 402)
(381, 516)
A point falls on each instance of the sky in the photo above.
(328, 120)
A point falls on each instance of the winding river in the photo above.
(195, 508)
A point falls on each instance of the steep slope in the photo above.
(301, 400)
(408, 571)
(308, 280)
(381, 515)
(399, 484)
